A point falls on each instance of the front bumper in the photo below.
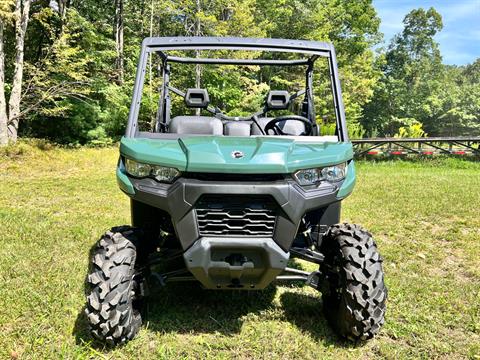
(235, 263)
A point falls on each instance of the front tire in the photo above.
(353, 292)
(111, 310)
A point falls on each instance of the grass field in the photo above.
(425, 216)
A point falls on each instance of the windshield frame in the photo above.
(313, 49)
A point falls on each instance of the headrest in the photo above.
(197, 98)
(278, 100)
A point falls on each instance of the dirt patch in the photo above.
(451, 265)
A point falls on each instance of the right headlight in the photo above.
(314, 176)
(159, 173)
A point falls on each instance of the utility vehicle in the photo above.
(231, 201)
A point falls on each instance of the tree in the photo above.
(413, 75)
(67, 87)
(21, 15)
(4, 12)
(352, 26)
(61, 73)
(458, 105)
(119, 39)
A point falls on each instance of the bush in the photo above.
(412, 130)
(355, 130)
(98, 137)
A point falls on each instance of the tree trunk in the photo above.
(62, 9)
(21, 22)
(59, 6)
(119, 39)
(150, 92)
(3, 102)
(198, 68)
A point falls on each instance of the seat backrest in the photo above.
(289, 126)
(196, 125)
(237, 128)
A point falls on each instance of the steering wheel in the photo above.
(273, 125)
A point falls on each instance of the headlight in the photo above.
(335, 172)
(137, 169)
(165, 174)
(160, 173)
(314, 176)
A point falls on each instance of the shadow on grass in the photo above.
(305, 312)
(187, 308)
(184, 308)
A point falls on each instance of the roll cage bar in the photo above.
(313, 49)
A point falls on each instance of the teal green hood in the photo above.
(214, 153)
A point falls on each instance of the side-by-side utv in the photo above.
(228, 201)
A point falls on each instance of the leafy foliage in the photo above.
(71, 93)
(413, 130)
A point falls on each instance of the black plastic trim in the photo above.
(179, 198)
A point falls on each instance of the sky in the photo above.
(460, 38)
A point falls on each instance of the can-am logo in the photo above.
(237, 154)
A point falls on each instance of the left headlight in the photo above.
(314, 176)
(159, 173)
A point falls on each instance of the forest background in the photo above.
(67, 67)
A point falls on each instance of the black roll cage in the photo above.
(159, 45)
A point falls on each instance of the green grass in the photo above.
(55, 203)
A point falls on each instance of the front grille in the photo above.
(227, 215)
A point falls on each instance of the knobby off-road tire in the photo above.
(353, 291)
(111, 306)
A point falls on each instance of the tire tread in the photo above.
(359, 310)
(110, 312)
